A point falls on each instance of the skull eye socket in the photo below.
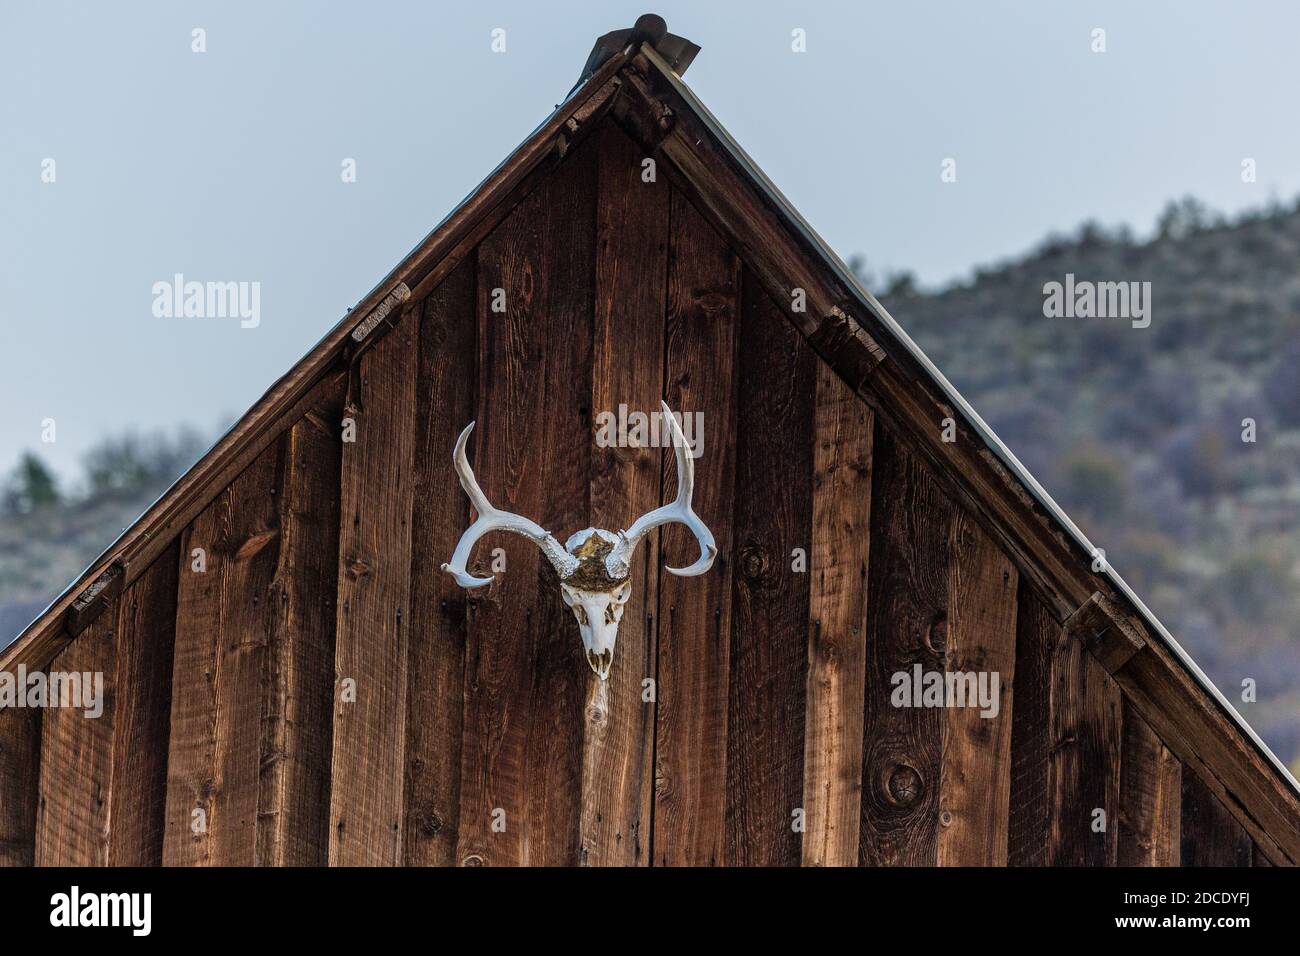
(609, 613)
(581, 614)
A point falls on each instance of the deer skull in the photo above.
(594, 565)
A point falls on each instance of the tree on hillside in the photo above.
(901, 285)
(1094, 481)
(129, 462)
(31, 486)
(1282, 387)
(1182, 217)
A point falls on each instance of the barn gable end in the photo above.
(321, 693)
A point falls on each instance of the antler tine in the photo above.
(679, 511)
(492, 519)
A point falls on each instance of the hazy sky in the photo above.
(225, 165)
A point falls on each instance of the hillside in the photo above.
(48, 536)
(1137, 433)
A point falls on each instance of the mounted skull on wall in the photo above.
(594, 565)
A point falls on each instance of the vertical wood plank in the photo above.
(769, 652)
(1065, 748)
(524, 677)
(20, 773)
(298, 682)
(975, 786)
(1031, 809)
(435, 708)
(191, 774)
(142, 713)
(373, 623)
(224, 622)
(695, 613)
(1210, 835)
(907, 626)
(560, 672)
(101, 777)
(837, 626)
(1088, 776)
(506, 455)
(1150, 802)
(627, 369)
(72, 827)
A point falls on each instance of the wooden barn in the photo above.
(291, 678)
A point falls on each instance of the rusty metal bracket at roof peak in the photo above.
(677, 52)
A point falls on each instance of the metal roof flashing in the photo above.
(995, 444)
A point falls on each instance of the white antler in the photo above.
(680, 511)
(490, 519)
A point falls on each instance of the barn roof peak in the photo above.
(632, 79)
(677, 52)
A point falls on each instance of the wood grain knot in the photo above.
(435, 330)
(937, 636)
(904, 787)
(357, 568)
(472, 860)
(713, 303)
(752, 563)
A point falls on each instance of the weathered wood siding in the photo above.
(295, 681)
(627, 365)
